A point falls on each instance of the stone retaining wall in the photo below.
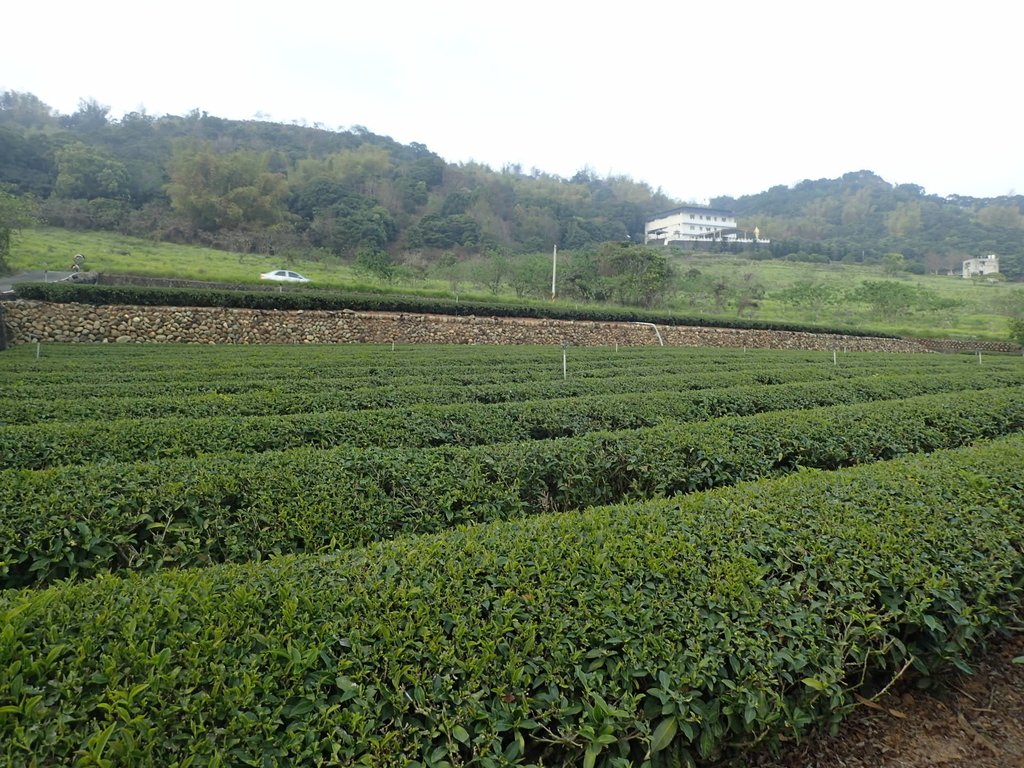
(32, 321)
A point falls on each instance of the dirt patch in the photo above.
(969, 721)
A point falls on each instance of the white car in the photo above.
(285, 276)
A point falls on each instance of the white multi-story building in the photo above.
(696, 223)
(987, 265)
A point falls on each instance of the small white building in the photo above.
(987, 265)
(695, 223)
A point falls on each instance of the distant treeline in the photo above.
(257, 186)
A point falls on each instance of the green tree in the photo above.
(360, 170)
(1008, 216)
(26, 161)
(492, 272)
(530, 275)
(144, 149)
(810, 296)
(90, 119)
(316, 196)
(642, 275)
(749, 294)
(457, 202)
(377, 263)
(434, 231)
(452, 270)
(216, 191)
(894, 263)
(26, 111)
(15, 214)
(416, 179)
(887, 298)
(86, 172)
(1017, 329)
(354, 222)
(905, 221)
(633, 275)
(535, 227)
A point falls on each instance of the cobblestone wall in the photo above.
(30, 321)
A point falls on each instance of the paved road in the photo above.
(8, 281)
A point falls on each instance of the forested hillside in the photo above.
(253, 185)
(863, 217)
(352, 195)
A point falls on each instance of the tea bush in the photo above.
(650, 634)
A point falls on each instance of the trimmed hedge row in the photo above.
(543, 363)
(39, 446)
(248, 398)
(362, 373)
(92, 365)
(152, 356)
(266, 374)
(79, 521)
(367, 302)
(653, 634)
(190, 373)
(113, 385)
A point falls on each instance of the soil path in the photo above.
(970, 721)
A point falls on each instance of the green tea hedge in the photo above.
(78, 521)
(649, 634)
(64, 402)
(28, 401)
(42, 445)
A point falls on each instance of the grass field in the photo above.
(980, 309)
(965, 309)
(55, 249)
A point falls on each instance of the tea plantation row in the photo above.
(163, 363)
(374, 365)
(78, 520)
(42, 445)
(27, 400)
(359, 556)
(661, 633)
(32, 395)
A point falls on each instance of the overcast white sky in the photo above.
(699, 99)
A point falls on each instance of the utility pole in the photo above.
(554, 271)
